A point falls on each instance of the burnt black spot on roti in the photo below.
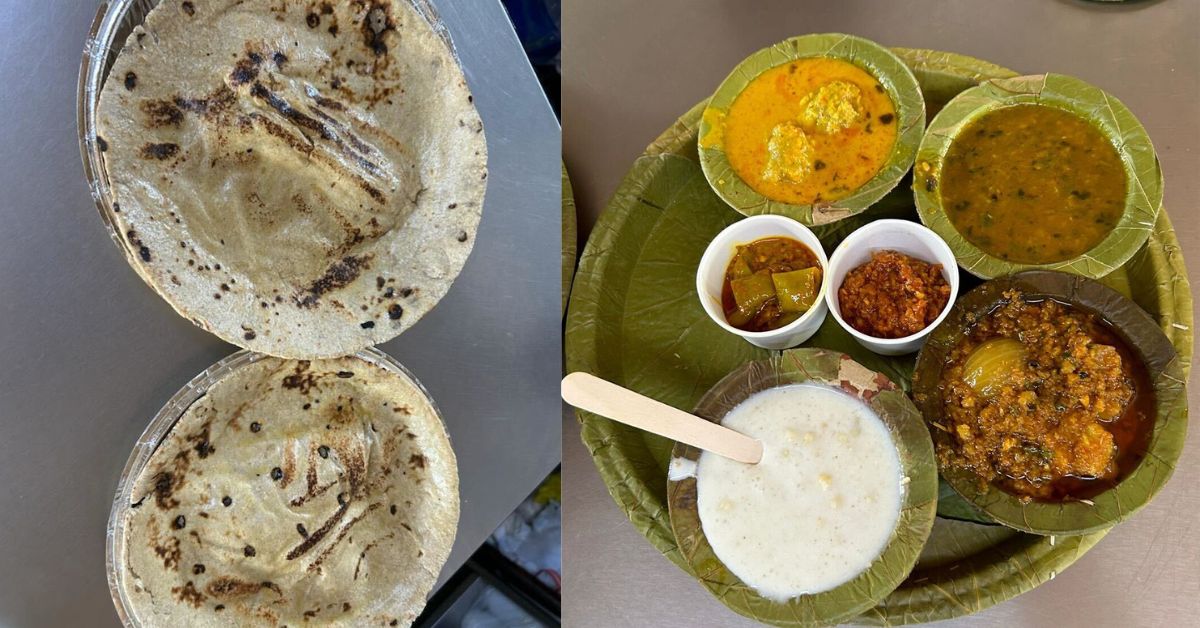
(367, 324)
(393, 509)
(345, 374)
(219, 607)
(302, 530)
(406, 292)
(102, 144)
(249, 551)
(333, 30)
(389, 293)
(144, 253)
(279, 104)
(416, 461)
(246, 70)
(395, 311)
(374, 28)
(255, 426)
(164, 487)
(197, 569)
(379, 283)
(228, 587)
(315, 537)
(887, 118)
(323, 451)
(279, 58)
(462, 236)
(227, 501)
(189, 8)
(180, 522)
(160, 151)
(313, 20)
(338, 275)
(130, 81)
(188, 594)
(249, 335)
(276, 474)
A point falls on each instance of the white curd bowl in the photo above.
(906, 237)
(710, 277)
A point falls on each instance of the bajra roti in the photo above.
(304, 179)
(293, 493)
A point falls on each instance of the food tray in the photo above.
(634, 319)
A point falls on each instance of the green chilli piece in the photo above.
(892, 566)
(877, 61)
(1142, 334)
(1143, 196)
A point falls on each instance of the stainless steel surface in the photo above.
(632, 67)
(91, 353)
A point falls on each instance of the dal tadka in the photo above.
(770, 283)
(810, 130)
(1045, 401)
(1033, 184)
(893, 295)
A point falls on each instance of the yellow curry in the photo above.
(811, 130)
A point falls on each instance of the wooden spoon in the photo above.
(588, 392)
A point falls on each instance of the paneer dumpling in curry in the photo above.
(811, 130)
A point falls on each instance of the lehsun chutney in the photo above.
(810, 130)
(1032, 184)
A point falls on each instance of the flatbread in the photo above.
(293, 493)
(301, 179)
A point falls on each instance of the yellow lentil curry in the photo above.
(1033, 184)
(1044, 401)
(769, 283)
(811, 130)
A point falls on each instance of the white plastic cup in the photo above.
(906, 237)
(710, 276)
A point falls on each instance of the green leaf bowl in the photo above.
(877, 61)
(1143, 197)
(918, 509)
(1139, 332)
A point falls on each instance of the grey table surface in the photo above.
(631, 67)
(91, 354)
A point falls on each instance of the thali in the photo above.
(633, 319)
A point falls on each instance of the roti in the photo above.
(293, 492)
(301, 179)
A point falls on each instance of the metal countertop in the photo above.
(91, 353)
